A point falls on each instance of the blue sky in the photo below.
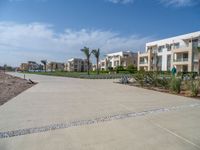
(57, 29)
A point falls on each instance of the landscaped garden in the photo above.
(185, 84)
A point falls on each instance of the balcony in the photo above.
(182, 49)
(181, 60)
(143, 62)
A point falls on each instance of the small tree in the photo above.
(44, 62)
(87, 53)
(96, 54)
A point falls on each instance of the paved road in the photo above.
(97, 114)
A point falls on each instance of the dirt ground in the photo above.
(11, 86)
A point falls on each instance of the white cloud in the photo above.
(36, 41)
(121, 1)
(179, 3)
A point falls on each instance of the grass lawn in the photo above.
(93, 75)
(61, 73)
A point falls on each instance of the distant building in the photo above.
(55, 66)
(30, 66)
(123, 58)
(77, 65)
(94, 67)
(23, 67)
(180, 51)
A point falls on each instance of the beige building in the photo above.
(29, 66)
(55, 66)
(180, 51)
(77, 65)
(123, 58)
(23, 67)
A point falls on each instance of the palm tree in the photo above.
(87, 53)
(96, 54)
(44, 62)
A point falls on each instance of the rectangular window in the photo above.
(160, 48)
(176, 45)
(168, 62)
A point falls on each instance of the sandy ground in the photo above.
(11, 86)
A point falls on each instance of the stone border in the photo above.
(20, 132)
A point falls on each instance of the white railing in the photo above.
(181, 60)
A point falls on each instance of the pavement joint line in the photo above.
(178, 136)
(20, 132)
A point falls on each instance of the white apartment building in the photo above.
(122, 58)
(77, 65)
(179, 51)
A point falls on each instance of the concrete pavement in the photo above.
(62, 100)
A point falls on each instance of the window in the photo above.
(160, 48)
(176, 45)
(169, 47)
(168, 62)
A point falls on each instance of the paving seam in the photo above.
(20, 132)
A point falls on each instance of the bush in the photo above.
(194, 87)
(124, 72)
(140, 78)
(175, 85)
(104, 71)
(190, 75)
(131, 69)
(163, 82)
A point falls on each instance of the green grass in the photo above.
(93, 75)
(60, 73)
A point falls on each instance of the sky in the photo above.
(56, 30)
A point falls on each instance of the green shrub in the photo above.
(163, 82)
(194, 87)
(139, 77)
(131, 69)
(124, 72)
(191, 75)
(104, 71)
(175, 85)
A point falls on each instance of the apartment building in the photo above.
(55, 66)
(179, 51)
(30, 66)
(77, 65)
(23, 67)
(122, 58)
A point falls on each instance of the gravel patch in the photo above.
(8, 134)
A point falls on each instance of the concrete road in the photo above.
(119, 116)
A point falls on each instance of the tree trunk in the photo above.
(97, 66)
(88, 69)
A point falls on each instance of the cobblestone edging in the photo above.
(20, 132)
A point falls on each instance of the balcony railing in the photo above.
(142, 62)
(181, 60)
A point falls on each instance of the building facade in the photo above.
(55, 66)
(123, 58)
(180, 51)
(30, 66)
(77, 65)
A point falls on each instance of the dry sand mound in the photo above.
(11, 86)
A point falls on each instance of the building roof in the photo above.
(121, 53)
(72, 59)
(175, 39)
